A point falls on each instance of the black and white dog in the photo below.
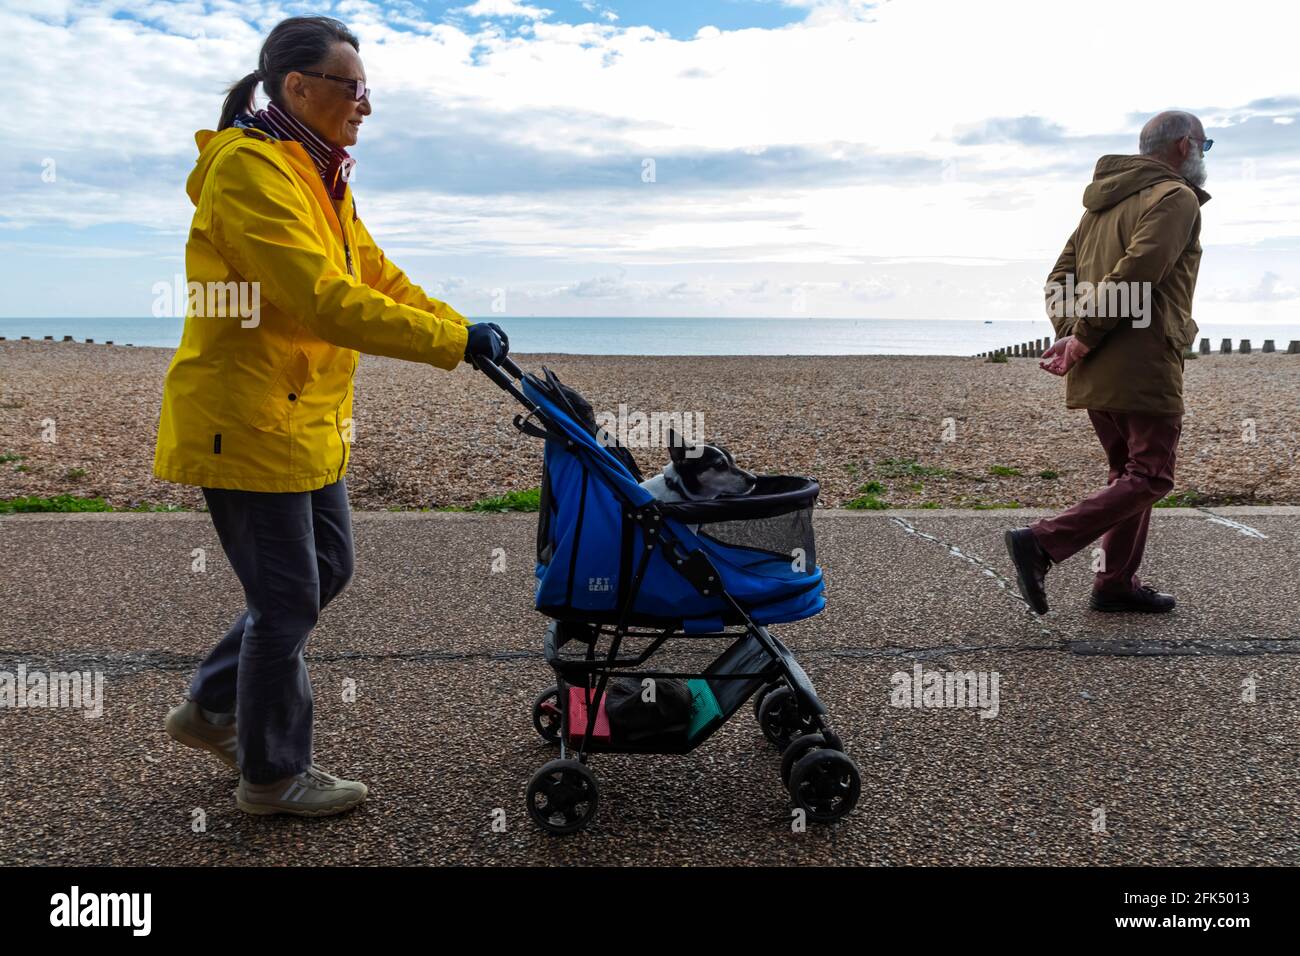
(710, 472)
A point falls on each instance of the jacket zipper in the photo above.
(347, 255)
(338, 426)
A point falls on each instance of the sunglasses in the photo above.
(359, 89)
(1205, 144)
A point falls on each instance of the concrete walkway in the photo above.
(1143, 722)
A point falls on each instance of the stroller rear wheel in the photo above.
(780, 718)
(762, 694)
(562, 796)
(546, 714)
(825, 784)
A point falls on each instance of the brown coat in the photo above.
(1142, 225)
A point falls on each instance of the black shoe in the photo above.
(1032, 564)
(1143, 600)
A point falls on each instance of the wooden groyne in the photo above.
(1035, 348)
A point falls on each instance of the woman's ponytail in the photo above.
(239, 99)
(298, 43)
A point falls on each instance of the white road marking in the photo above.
(1237, 526)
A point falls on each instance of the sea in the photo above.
(692, 336)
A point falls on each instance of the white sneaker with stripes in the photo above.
(312, 793)
(186, 724)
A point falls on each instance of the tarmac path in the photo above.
(1178, 731)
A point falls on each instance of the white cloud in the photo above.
(980, 136)
(51, 250)
(1270, 288)
(605, 13)
(602, 287)
(868, 290)
(502, 8)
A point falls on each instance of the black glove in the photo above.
(488, 340)
(505, 339)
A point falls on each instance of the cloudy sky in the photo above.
(910, 158)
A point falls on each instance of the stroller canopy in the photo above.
(589, 543)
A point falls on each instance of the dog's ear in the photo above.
(676, 447)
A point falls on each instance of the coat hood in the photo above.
(209, 144)
(212, 144)
(1118, 177)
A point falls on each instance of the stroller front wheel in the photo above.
(761, 695)
(562, 796)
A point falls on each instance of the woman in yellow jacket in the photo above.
(286, 286)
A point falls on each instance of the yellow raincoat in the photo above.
(260, 398)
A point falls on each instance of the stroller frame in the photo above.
(822, 780)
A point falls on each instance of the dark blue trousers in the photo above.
(292, 552)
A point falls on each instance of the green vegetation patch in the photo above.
(30, 503)
(1182, 499)
(908, 468)
(528, 500)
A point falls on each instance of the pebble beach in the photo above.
(876, 431)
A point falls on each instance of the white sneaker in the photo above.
(312, 793)
(185, 724)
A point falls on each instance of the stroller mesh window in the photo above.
(775, 519)
(545, 507)
(787, 536)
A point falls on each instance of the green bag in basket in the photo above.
(705, 712)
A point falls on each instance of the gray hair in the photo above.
(1166, 128)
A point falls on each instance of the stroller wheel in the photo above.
(798, 749)
(762, 693)
(780, 719)
(562, 796)
(546, 714)
(825, 784)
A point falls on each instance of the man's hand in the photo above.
(1064, 354)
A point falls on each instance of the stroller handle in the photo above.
(509, 365)
(504, 374)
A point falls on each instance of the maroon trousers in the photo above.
(1140, 449)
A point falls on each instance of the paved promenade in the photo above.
(1145, 722)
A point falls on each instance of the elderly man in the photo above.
(1120, 299)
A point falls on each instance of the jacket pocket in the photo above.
(1181, 333)
(274, 413)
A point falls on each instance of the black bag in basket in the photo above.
(632, 718)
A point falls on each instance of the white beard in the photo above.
(1193, 168)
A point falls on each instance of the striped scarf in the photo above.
(332, 162)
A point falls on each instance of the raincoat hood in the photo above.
(1118, 177)
(210, 144)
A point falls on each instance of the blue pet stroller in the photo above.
(620, 574)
